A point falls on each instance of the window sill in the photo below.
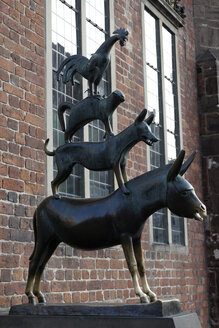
(171, 248)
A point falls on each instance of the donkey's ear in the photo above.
(141, 116)
(175, 168)
(150, 119)
(188, 162)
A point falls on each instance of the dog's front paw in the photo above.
(125, 190)
(56, 196)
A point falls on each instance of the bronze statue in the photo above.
(116, 219)
(92, 69)
(101, 156)
(90, 108)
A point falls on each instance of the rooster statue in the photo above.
(91, 69)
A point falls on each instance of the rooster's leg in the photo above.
(95, 88)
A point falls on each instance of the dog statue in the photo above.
(101, 156)
(87, 110)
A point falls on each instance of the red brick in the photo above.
(15, 114)
(13, 25)
(19, 71)
(13, 159)
(34, 38)
(13, 172)
(34, 120)
(13, 90)
(19, 7)
(6, 134)
(4, 76)
(34, 99)
(15, 185)
(3, 97)
(7, 65)
(14, 14)
(19, 138)
(4, 8)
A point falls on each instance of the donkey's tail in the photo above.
(61, 109)
(49, 153)
(35, 235)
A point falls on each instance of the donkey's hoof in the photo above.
(152, 296)
(32, 300)
(144, 299)
(41, 300)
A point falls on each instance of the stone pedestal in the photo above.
(165, 314)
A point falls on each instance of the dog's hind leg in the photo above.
(123, 170)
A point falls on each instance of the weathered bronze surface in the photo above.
(92, 69)
(182, 320)
(110, 154)
(90, 108)
(116, 219)
(158, 308)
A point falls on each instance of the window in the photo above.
(101, 183)
(162, 99)
(78, 27)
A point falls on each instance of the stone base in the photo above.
(158, 308)
(155, 315)
(178, 321)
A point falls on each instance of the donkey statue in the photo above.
(116, 219)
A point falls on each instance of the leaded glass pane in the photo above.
(65, 43)
(178, 236)
(101, 183)
(154, 102)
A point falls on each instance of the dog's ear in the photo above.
(150, 119)
(141, 116)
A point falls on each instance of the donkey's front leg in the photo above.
(132, 265)
(142, 270)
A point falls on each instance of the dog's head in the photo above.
(143, 128)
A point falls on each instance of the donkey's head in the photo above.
(143, 128)
(181, 197)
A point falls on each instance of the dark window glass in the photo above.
(65, 42)
(162, 100)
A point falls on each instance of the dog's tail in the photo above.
(49, 153)
(61, 109)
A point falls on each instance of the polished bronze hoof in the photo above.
(32, 300)
(56, 196)
(143, 299)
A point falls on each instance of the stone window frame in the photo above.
(49, 118)
(166, 14)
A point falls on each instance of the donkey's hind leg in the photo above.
(48, 251)
(33, 267)
(142, 270)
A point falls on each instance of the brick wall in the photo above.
(207, 35)
(22, 131)
(72, 275)
(170, 273)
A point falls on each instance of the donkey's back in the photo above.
(87, 223)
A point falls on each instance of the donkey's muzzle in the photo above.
(201, 212)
